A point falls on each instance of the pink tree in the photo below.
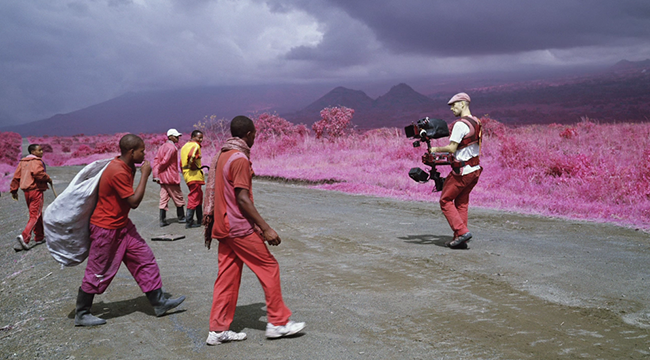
(272, 125)
(335, 122)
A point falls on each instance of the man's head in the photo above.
(243, 128)
(460, 104)
(173, 135)
(197, 135)
(35, 149)
(132, 148)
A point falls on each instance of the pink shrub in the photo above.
(10, 148)
(82, 151)
(335, 122)
(271, 125)
(569, 133)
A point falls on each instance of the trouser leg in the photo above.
(107, 249)
(140, 260)
(454, 200)
(226, 289)
(34, 200)
(164, 198)
(254, 253)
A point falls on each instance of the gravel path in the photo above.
(370, 276)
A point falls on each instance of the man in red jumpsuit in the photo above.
(166, 173)
(464, 143)
(31, 177)
(232, 219)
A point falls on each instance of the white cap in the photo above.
(173, 132)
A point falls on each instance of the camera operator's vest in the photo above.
(473, 137)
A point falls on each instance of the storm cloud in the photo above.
(61, 55)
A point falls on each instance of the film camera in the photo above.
(424, 131)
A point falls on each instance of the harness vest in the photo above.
(473, 137)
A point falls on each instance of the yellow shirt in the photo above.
(191, 171)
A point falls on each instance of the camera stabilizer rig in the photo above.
(425, 130)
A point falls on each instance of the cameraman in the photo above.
(464, 143)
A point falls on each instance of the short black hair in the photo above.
(241, 125)
(196, 133)
(130, 142)
(32, 147)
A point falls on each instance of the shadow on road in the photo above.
(117, 309)
(426, 239)
(248, 317)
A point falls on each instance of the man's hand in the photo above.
(145, 169)
(208, 221)
(14, 195)
(271, 237)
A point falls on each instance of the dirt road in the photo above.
(370, 276)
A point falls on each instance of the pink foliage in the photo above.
(597, 176)
(272, 125)
(10, 148)
(335, 122)
(569, 133)
(10, 151)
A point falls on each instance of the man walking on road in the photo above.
(465, 144)
(165, 173)
(193, 175)
(232, 219)
(30, 176)
(114, 238)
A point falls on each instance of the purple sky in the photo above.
(58, 56)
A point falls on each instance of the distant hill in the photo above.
(619, 93)
(157, 111)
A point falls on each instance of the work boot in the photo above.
(161, 304)
(189, 219)
(82, 316)
(199, 215)
(180, 212)
(463, 239)
(163, 216)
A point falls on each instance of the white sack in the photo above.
(66, 221)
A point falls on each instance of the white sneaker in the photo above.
(216, 338)
(22, 242)
(290, 328)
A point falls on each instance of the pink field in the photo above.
(587, 171)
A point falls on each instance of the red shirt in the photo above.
(233, 171)
(116, 184)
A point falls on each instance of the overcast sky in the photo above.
(58, 56)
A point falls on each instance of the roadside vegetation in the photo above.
(588, 170)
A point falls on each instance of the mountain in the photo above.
(403, 98)
(340, 96)
(401, 104)
(618, 93)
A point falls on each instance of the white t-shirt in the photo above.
(459, 131)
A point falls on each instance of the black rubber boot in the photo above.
(163, 216)
(189, 219)
(180, 212)
(199, 215)
(82, 316)
(161, 304)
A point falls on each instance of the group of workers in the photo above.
(228, 214)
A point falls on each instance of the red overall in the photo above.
(239, 244)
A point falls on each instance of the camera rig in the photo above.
(424, 131)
